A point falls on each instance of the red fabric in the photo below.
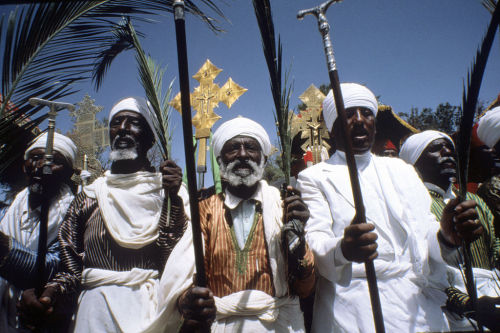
(389, 145)
(308, 156)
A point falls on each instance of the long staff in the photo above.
(187, 129)
(360, 217)
(46, 173)
(469, 102)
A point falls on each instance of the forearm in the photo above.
(172, 225)
(18, 265)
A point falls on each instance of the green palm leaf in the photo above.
(281, 91)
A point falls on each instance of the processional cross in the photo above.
(309, 123)
(204, 99)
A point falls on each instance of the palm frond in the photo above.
(151, 76)
(280, 90)
(469, 102)
(49, 46)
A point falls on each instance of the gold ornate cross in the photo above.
(310, 124)
(204, 99)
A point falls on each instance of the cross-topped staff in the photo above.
(46, 172)
(324, 29)
(204, 99)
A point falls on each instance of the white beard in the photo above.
(118, 154)
(242, 177)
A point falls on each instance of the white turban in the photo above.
(62, 144)
(138, 105)
(355, 95)
(240, 126)
(416, 144)
(488, 129)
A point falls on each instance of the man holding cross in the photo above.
(401, 233)
(117, 236)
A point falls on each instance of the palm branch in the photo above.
(47, 47)
(469, 102)
(281, 91)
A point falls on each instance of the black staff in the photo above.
(46, 172)
(187, 129)
(360, 217)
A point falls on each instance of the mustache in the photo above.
(447, 159)
(122, 137)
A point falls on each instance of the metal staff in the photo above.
(46, 172)
(187, 128)
(360, 217)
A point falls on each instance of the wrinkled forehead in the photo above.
(440, 142)
(243, 139)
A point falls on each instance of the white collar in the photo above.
(232, 201)
(362, 160)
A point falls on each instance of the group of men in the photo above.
(123, 259)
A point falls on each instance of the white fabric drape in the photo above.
(398, 204)
(116, 301)
(130, 205)
(488, 129)
(22, 224)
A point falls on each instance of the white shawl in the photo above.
(130, 205)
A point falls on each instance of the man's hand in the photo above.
(33, 311)
(459, 222)
(197, 306)
(359, 242)
(171, 177)
(488, 312)
(295, 208)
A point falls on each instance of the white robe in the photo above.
(22, 224)
(398, 204)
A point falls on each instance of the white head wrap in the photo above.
(62, 144)
(240, 126)
(354, 95)
(488, 129)
(416, 144)
(138, 105)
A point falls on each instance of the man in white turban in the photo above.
(400, 233)
(115, 238)
(433, 155)
(248, 287)
(19, 228)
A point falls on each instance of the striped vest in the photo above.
(230, 269)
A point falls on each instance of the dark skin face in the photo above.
(361, 123)
(437, 164)
(130, 129)
(244, 149)
(33, 168)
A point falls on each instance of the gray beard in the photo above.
(122, 154)
(242, 177)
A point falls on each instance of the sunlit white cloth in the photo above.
(256, 311)
(488, 129)
(23, 224)
(414, 145)
(130, 205)
(354, 94)
(398, 204)
(116, 301)
(240, 126)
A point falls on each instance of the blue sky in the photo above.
(411, 53)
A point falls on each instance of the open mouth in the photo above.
(123, 142)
